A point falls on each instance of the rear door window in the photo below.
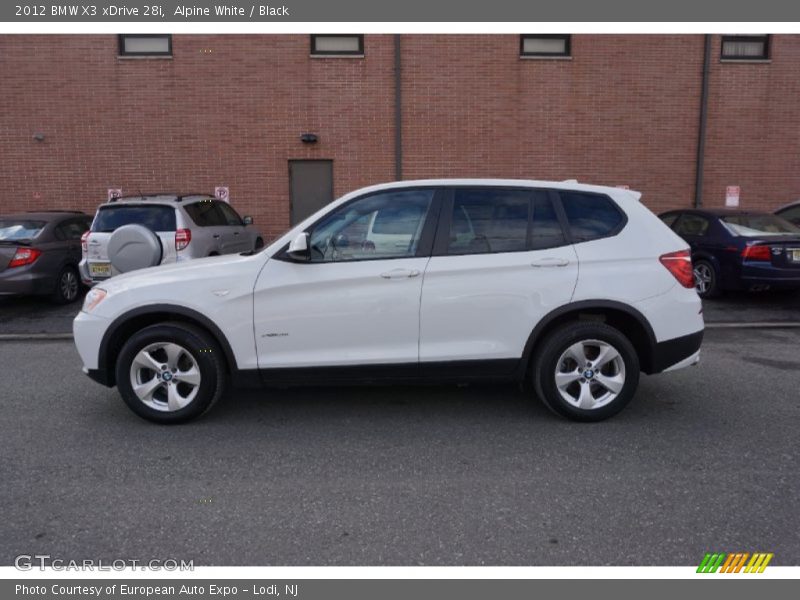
(591, 216)
(692, 225)
(669, 218)
(154, 217)
(546, 231)
(71, 229)
(489, 220)
(206, 214)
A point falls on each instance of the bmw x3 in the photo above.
(571, 289)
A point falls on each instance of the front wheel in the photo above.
(170, 372)
(586, 371)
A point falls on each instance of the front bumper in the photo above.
(677, 353)
(88, 331)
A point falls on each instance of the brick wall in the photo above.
(230, 110)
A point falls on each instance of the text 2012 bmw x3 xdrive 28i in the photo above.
(573, 288)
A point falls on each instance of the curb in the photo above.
(36, 337)
(755, 325)
(39, 337)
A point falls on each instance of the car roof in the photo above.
(162, 198)
(567, 184)
(46, 215)
(789, 205)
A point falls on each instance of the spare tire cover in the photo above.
(134, 247)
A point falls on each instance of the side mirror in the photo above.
(298, 248)
(248, 220)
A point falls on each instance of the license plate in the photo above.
(794, 254)
(100, 269)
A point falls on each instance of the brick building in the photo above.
(81, 114)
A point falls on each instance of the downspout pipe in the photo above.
(701, 134)
(398, 111)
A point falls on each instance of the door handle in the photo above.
(215, 236)
(235, 233)
(400, 274)
(550, 261)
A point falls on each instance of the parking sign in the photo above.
(222, 192)
(732, 196)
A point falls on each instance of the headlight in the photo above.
(93, 298)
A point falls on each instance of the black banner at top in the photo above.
(166, 11)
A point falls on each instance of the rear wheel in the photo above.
(705, 279)
(68, 285)
(586, 371)
(170, 373)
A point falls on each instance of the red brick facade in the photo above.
(230, 110)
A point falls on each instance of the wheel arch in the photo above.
(628, 320)
(132, 321)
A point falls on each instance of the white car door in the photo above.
(501, 262)
(351, 303)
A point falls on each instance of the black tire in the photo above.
(710, 283)
(199, 346)
(259, 243)
(68, 285)
(547, 361)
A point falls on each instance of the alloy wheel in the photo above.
(590, 374)
(165, 376)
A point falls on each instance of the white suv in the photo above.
(572, 288)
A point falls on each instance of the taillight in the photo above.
(182, 238)
(680, 265)
(24, 256)
(85, 242)
(756, 253)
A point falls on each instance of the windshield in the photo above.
(759, 225)
(154, 217)
(19, 229)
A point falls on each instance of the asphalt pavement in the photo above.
(704, 459)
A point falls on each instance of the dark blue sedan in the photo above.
(738, 250)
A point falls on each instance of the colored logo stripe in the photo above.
(734, 562)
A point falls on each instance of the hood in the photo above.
(212, 268)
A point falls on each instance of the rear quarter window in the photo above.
(591, 216)
(155, 218)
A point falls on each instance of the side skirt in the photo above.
(403, 373)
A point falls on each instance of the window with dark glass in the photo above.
(690, 224)
(337, 45)
(380, 226)
(745, 47)
(231, 216)
(205, 214)
(544, 45)
(545, 230)
(590, 216)
(145, 44)
(489, 220)
(669, 218)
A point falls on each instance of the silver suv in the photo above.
(160, 229)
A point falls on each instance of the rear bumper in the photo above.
(678, 352)
(23, 282)
(767, 275)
